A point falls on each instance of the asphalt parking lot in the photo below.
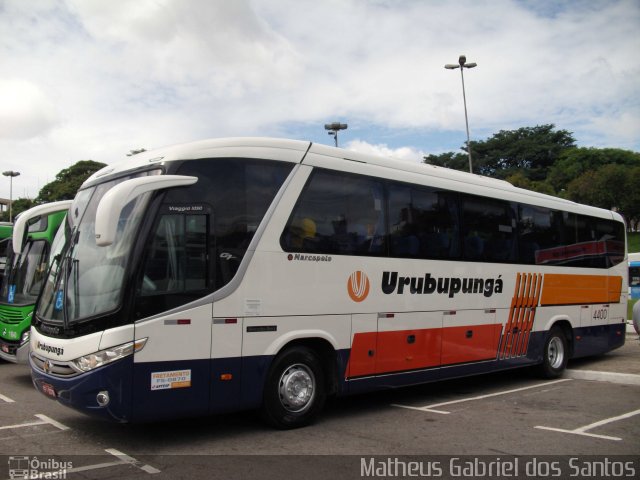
(594, 410)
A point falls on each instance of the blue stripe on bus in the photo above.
(234, 384)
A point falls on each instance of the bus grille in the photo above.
(56, 369)
(10, 315)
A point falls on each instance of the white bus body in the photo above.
(267, 273)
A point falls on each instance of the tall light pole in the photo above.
(462, 64)
(10, 174)
(334, 128)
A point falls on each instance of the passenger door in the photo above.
(172, 371)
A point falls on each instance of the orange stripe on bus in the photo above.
(564, 289)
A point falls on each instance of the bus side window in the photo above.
(423, 222)
(489, 229)
(177, 256)
(338, 213)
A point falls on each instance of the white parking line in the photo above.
(6, 399)
(51, 421)
(123, 459)
(431, 408)
(132, 461)
(96, 466)
(584, 430)
(43, 421)
(612, 377)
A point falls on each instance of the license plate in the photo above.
(48, 390)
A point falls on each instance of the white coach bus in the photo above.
(260, 273)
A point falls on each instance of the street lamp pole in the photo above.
(10, 174)
(334, 128)
(462, 64)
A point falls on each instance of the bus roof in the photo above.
(299, 151)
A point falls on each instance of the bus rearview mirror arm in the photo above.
(114, 201)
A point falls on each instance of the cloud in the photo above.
(100, 78)
(25, 110)
(383, 150)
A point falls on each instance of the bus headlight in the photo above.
(25, 337)
(106, 356)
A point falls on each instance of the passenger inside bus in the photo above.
(303, 234)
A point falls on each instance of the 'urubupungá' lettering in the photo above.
(393, 282)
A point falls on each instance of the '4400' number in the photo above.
(600, 313)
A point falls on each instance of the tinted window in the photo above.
(177, 256)
(423, 222)
(238, 192)
(575, 240)
(203, 231)
(540, 230)
(489, 230)
(338, 214)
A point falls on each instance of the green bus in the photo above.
(26, 267)
(6, 230)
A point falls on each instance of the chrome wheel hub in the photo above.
(555, 353)
(296, 388)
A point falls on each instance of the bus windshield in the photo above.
(25, 273)
(87, 280)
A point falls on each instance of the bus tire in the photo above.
(294, 392)
(555, 354)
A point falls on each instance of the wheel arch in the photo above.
(327, 354)
(564, 323)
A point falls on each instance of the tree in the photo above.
(520, 180)
(528, 150)
(531, 150)
(630, 204)
(612, 186)
(455, 161)
(574, 162)
(19, 205)
(68, 181)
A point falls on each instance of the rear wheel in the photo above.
(294, 392)
(555, 354)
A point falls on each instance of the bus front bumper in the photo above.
(88, 391)
(13, 352)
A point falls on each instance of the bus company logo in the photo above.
(59, 351)
(358, 286)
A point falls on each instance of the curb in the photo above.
(611, 377)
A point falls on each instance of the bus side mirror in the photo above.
(114, 201)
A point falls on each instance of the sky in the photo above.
(94, 79)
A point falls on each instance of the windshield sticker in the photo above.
(169, 380)
(12, 293)
(59, 297)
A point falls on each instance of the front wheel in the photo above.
(294, 392)
(555, 354)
